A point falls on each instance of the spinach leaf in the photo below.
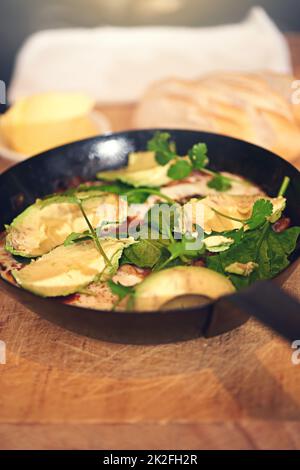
(269, 249)
(182, 252)
(115, 188)
(144, 254)
(134, 195)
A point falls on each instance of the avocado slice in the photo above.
(142, 170)
(161, 287)
(88, 193)
(67, 269)
(46, 223)
(203, 211)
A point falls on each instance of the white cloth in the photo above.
(115, 64)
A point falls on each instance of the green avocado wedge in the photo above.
(46, 223)
(142, 170)
(68, 269)
(162, 287)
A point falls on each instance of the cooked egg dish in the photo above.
(163, 232)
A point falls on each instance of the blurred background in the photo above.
(20, 18)
(231, 69)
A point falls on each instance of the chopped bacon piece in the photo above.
(281, 224)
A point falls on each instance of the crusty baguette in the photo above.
(254, 107)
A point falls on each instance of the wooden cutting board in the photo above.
(60, 390)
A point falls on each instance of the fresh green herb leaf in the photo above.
(268, 249)
(284, 185)
(160, 220)
(235, 234)
(163, 148)
(76, 237)
(144, 254)
(137, 197)
(93, 234)
(180, 169)
(58, 198)
(165, 261)
(121, 292)
(177, 249)
(116, 188)
(288, 239)
(197, 159)
(140, 195)
(134, 195)
(182, 250)
(220, 182)
(74, 200)
(163, 158)
(261, 210)
(198, 156)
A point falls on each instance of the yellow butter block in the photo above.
(40, 122)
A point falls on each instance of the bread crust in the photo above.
(256, 107)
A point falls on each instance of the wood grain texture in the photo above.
(61, 390)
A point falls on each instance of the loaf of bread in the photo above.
(254, 107)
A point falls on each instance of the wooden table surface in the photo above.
(61, 390)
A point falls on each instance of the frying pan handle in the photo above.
(264, 301)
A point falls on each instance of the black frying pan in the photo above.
(61, 167)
